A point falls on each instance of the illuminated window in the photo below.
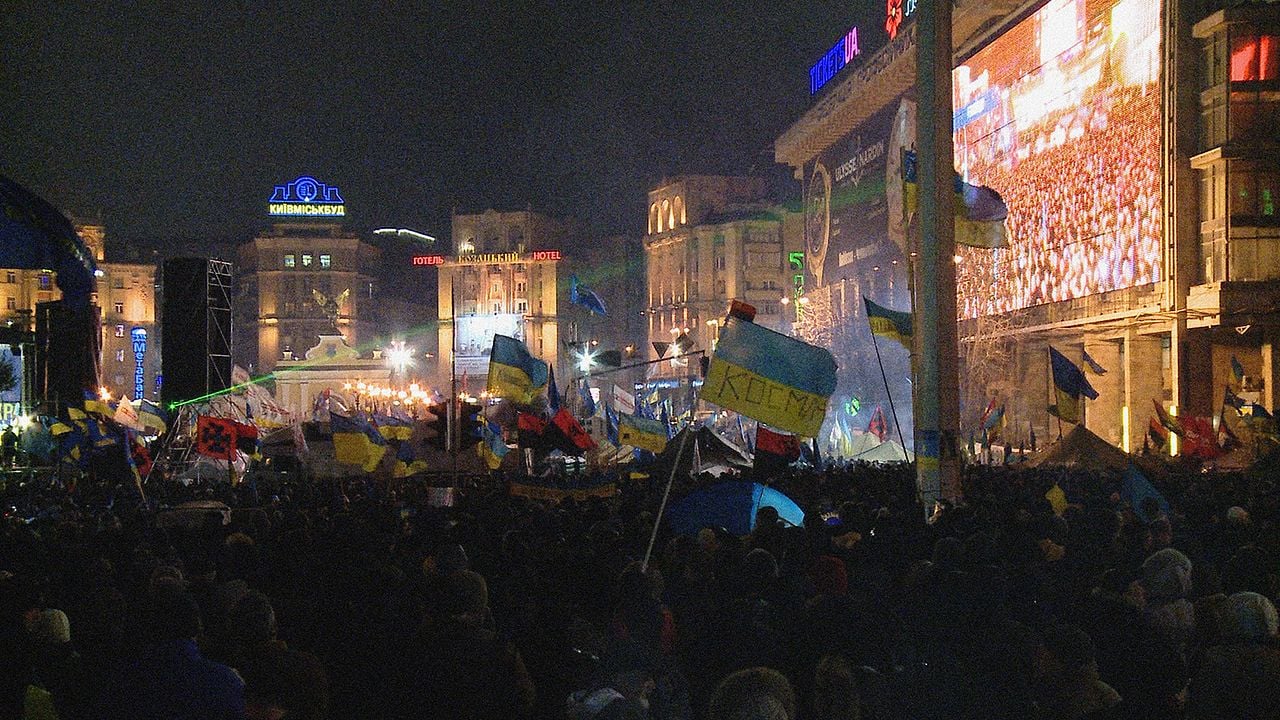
(290, 261)
(120, 356)
(11, 303)
(119, 331)
(326, 261)
(118, 307)
(1255, 57)
(46, 281)
(653, 218)
(664, 216)
(306, 260)
(678, 210)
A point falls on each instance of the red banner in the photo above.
(569, 426)
(783, 445)
(216, 437)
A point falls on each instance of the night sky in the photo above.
(172, 121)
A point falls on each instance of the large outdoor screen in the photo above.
(1061, 115)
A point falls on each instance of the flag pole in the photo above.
(662, 507)
(892, 408)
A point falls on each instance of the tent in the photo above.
(869, 448)
(714, 454)
(1081, 449)
(732, 505)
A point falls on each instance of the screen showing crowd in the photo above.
(1061, 115)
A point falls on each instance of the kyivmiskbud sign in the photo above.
(306, 197)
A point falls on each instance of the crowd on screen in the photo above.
(1084, 204)
(315, 599)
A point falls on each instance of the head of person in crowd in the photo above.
(465, 598)
(1067, 672)
(252, 620)
(281, 684)
(621, 688)
(171, 614)
(1166, 575)
(835, 690)
(757, 693)
(1248, 617)
(829, 576)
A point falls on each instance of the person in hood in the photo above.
(1240, 676)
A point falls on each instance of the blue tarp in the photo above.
(731, 505)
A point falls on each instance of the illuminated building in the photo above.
(125, 298)
(302, 277)
(710, 240)
(500, 279)
(1136, 148)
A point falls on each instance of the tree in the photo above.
(8, 374)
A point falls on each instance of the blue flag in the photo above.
(514, 373)
(1093, 364)
(1068, 378)
(553, 392)
(1137, 488)
(580, 294)
(588, 402)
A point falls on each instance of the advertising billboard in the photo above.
(474, 340)
(1061, 116)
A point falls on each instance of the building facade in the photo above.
(298, 281)
(711, 240)
(129, 361)
(501, 279)
(1135, 144)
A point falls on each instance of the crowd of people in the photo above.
(1082, 188)
(358, 598)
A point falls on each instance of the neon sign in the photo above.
(139, 338)
(506, 258)
(306, 197)
(845, 51)
(895, 11)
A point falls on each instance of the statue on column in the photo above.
(330, 306)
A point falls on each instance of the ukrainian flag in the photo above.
(980, 211)
(95, 405)
(491, 446)
(356, 442)
(152, 417)
(770, 377)
(407, 462)
(393, 428)
(892, 324)
(514, 374)
(643, 433)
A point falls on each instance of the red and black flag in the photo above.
(216, 437)
(878, 426)
(774, 451)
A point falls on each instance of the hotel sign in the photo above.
(506, 258)
(306, 197)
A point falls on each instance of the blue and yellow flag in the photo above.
(892, 324)
(355, 442)
(407, 462)
(152, 417)
(393, 428)
(641, 432)
(770, 377)
(1069, 383)
(491, 446)
(94, 404)
(980, 211)
(515, 374)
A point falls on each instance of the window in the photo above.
(1255, 57)
(522, 306)
(46, 281)
(117, 283)
(11, 303)
(326, 261)
(497, 308)
(719, 265)
(119, 331)
(118, 307)
(120, 356)
(1253, 189)
(11, 277)
(290, 261)
(521, 286)
(306, 260)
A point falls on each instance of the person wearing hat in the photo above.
(457, 667)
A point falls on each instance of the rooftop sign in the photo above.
(845, 51)
(306, 197)
(505, 258)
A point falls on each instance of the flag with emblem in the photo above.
(216, 437)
